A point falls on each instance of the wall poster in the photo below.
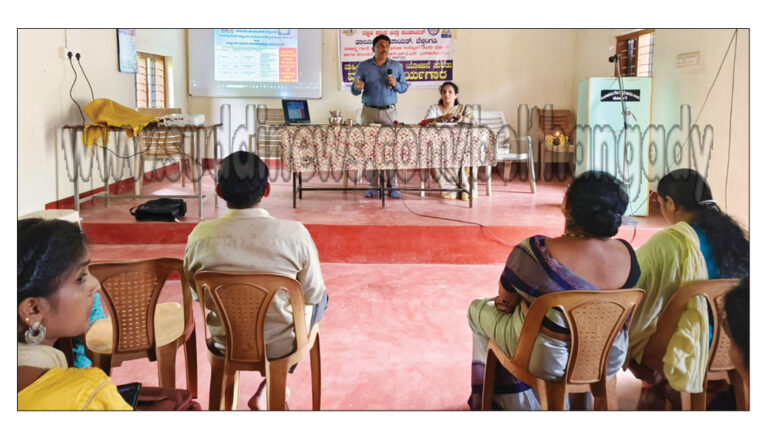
(126, 51)
(426, 54)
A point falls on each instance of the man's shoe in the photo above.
(372, 194)
(394, 194)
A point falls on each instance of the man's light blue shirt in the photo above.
(376, 90)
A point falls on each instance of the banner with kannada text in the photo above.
(426, 54)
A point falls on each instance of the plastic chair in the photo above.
(719, 364)
(496, 122)
(242, 300)
(594, 319)
(138, 326)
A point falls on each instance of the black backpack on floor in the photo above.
(163, 209)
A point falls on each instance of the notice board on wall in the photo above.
(426, 54)
(126, 50)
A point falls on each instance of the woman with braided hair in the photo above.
(702, 243)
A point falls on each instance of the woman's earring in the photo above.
(35, 334)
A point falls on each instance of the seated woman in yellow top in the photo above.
(701, 243)
(55, 298)
(448, 110)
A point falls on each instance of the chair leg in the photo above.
(489, 380)
(231, 390)
(605, 395)
(487, 180)
(699, 401)
(531, 173)
(277, 376)
(139, 165)
(685, 401)
(507, 170)
(740, 389)
(104, 362)
(217, 383)
(166, 365)
(598, 391)
(579, 401)
(555, 396)
(190, 357)
(611, 397)
(314, 361)
(182, 168)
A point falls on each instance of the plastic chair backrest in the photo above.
(516, 149)
(496, 122)
(714, 291)
(242, 301)
(594, 319)
(162, 142)
(131, 290)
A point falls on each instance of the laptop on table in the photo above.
(296, 112)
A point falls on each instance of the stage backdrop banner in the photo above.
(426, 55)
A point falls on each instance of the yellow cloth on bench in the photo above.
(105, 113)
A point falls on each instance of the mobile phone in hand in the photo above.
(130, 393)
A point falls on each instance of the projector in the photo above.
(181, 120)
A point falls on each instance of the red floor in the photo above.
(347, 227)
(395, 335)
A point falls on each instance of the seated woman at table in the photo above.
(448, 110)
(702, 243)
(55, 296)
(584, 257)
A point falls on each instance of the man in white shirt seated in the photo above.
(248, 239)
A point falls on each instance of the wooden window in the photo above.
(636, 53)
(150, 81)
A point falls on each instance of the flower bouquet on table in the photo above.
(445, 118)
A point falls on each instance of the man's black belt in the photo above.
(380, 107)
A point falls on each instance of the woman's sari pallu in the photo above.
(669, 260)
(531, 272)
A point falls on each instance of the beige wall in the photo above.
(44, 105)
(499, 69)
(673, 87)
(173, 45)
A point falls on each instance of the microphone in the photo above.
(389, 73)
(613, 58)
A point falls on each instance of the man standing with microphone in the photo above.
(380, 79)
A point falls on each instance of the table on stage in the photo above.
(334, 150)
(199, 138)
